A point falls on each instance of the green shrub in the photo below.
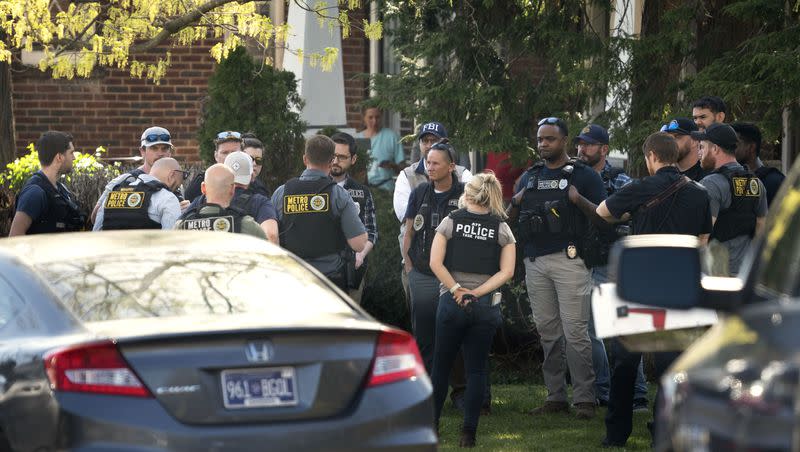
(247, 97)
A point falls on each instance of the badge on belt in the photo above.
(572, 251)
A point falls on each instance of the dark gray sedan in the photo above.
(188, 341)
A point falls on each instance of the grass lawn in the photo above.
(508, 428)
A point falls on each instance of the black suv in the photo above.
(736, 388)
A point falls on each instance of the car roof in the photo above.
(42, 248)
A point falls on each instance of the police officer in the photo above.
(557, 279)
(255, 149)
(738, 198)
(748, 154)
(667, 202)
(688, 155)
(255, 204)
(155, 144)
(343, 159)
(44, 204)
(318, 219)
(216, 213)
(472, 255)
(225, 142)
(143, 202)
(592, 144)
(428, 205)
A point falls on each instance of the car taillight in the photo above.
(396, 358)
(97, 368)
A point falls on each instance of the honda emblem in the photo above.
(259, 352)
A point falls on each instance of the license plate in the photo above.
(259, 388)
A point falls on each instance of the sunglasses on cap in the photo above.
(673, 125)
(154, 137)
(228, 135)
(444, 145)
(553, 121)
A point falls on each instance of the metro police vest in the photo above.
(740, 217)
(62, 213)
(545, 208)
(126, 205)
(308, 226)
(222, 220)
(474, 246)
(428, 217)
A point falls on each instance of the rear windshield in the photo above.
(178, 284)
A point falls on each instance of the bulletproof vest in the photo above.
(62, 214)
(136, 172)
(127, 204)
(474, 246)
(608, 178)
(220, 220)
(241, 201)
(359, 194)
(428, 217)
(308, 226)
(545, 210)
(740, 217)
(416, 179)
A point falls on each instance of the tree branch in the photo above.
(178, 24)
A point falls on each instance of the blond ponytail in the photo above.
(484, 190)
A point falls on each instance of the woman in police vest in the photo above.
(428, 205)
(472, 255)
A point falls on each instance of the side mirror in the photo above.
(665, 270)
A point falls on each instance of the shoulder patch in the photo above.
(746, 186)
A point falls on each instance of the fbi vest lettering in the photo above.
(308, 225)
(212, 217)
(359, 194)
(127, 204)
(474, 246)
(429, 215)
(740, 217)
(62, 213)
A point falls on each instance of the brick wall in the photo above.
(111, 109)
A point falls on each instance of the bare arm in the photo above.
(603, 212)
(703, 239)
(20, 224)
(760, 221)
(93, 216)
(358, 242)
(407, 244)
(599, 215)
(270, 228)
(508, 257)
(438, 251)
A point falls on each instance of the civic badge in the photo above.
(572, 252)
(259, 351)
(562, 184)
(419, 221)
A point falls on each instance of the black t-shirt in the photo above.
(192, 191)
(696, 172)
(685, 212)
(772, 179)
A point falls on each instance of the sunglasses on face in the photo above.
(184, 173)
(153, 137)
(258, 160)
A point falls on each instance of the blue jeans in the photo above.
(470, 329)
(600, 358)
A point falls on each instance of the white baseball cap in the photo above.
(156, 135)
(242, 166)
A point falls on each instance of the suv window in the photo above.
(780, 256)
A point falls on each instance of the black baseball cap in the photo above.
(722, 135)
(680, 126)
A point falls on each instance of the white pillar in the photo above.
(322, 91)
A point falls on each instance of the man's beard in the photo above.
(336, 171)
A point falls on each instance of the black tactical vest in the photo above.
(740, 217)
(126, 205)
(308, 226)
(428, 217)
(62, 214)
(220, 220)
(474, 246)
(359, 194)
(545, 208)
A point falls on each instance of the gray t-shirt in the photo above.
(719, 195)
(472, 280)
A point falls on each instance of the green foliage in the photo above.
(18, 171)
(383, 291)
(254, 98)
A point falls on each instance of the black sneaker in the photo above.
(640, 406)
